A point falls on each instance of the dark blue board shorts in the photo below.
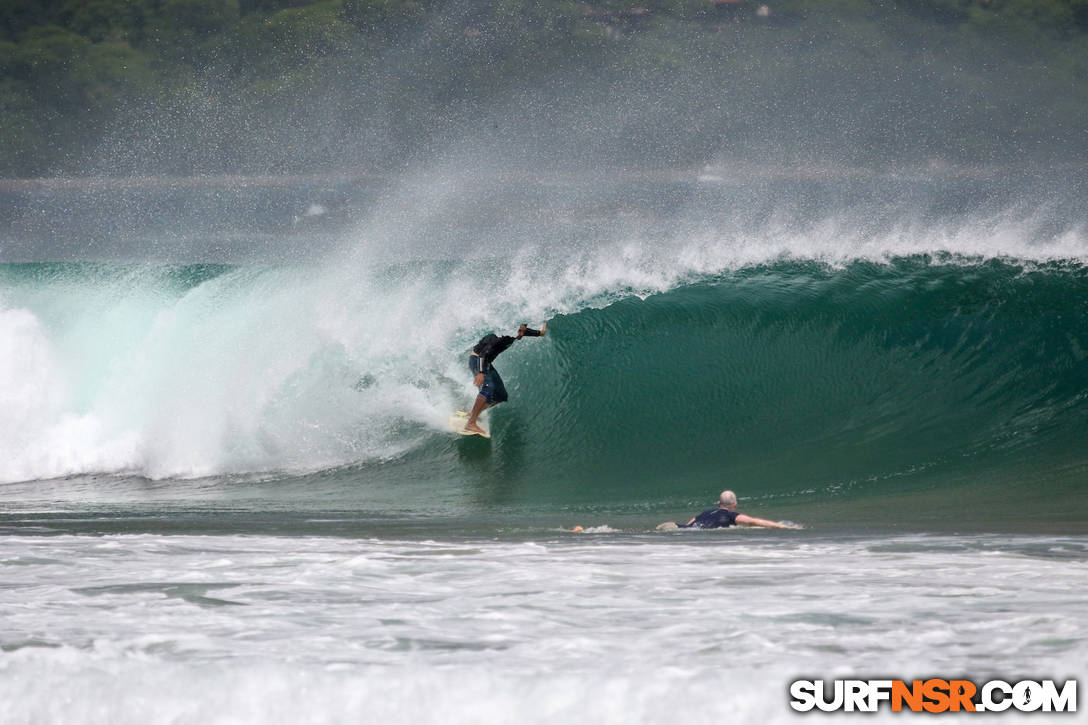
(493, 390)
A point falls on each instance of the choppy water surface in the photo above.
(228, 492)
(608, 627)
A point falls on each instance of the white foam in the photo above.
(158, 692)
(361, 355)
(263, 629)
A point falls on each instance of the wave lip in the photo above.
(827, 354)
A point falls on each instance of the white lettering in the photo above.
(1027, 696)
(836, 702)
(880, 691)
(994, 696)
(989, 703)
(856, 695)
(1064, 701)
(803, 693)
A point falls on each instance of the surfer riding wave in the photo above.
(486, 377)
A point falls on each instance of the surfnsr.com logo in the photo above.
(933, 695)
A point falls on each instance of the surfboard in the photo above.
(458, 420)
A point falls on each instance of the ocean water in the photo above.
(606, 627)
(229, 494)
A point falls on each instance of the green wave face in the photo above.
(921, 387)
(805, 383)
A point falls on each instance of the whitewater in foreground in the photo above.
(229, 494)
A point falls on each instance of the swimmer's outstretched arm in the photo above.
(746, 520)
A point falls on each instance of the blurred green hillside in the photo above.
(276, 86)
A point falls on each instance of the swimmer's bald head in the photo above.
(728, 500)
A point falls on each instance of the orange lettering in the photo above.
(936, 691)
(911, 695)
(961, 692)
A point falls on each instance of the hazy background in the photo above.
(227, 130)
(183, 87)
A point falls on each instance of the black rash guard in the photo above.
(487, 349)
(713, 519)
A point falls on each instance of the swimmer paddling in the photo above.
(725, 515)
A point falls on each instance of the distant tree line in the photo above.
(199, 86)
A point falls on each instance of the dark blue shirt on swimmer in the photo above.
(713, 519)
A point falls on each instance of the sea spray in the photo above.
(784, 371)
(773, 331)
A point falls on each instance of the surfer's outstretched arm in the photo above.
(746, 520)
(491, 346)
(485, 351)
